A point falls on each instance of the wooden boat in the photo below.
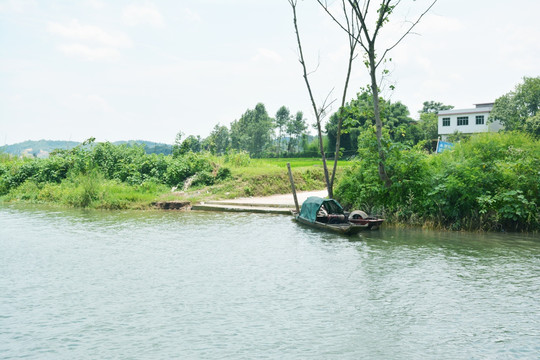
(327, 214)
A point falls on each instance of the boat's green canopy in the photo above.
(311, 206)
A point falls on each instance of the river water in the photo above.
(80, 284)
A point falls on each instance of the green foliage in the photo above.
(283, 116)
(359, 113)
(252, 132)
(295, 128)
(223, 173)
(433, 107)
(82, 172)
(87, 189)
(177, 144)
(203, 178)
(190, 144)
(428, 126)
(532, 125)
(517, 109)
(490, 181)
(237, 158)
(219, 140)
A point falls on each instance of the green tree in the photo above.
(359, 112)
(295, 128)
(396, 118)
(191, 143)
(219, 140)
(532, 125)
(177, 144)
(433, 107)
(355, 114)
(283, 116)
(253, 131)
(368, 33)
(515, 108)
(429, 122)
(429, 126)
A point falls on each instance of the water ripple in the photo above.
(109, 285)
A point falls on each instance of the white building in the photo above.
(466, 121)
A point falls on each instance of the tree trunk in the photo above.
(377, 113)
(323, 156)
(317, 112)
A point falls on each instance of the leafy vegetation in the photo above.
(108, 176)
(103, 175)
(519, 109)
(487, 182)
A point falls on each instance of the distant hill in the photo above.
(42, 148)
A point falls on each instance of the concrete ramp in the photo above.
(274, 204)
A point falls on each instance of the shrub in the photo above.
(203, 178)
(489, 181)
(237, 158)
(223, 173)
(87, 189)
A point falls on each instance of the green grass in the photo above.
(254, 177)
(263, 177)
(88, 191)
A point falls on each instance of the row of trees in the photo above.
(255, 132)
(260, 135)
(358, 114)
(286, 134)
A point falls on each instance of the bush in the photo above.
(223, 173)
(237, 158)
(203, 178)
(489, 181)
(87, 189)
(85, 167)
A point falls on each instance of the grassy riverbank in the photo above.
(488, 182)
(106, 176)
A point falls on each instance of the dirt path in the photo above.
(276, 200)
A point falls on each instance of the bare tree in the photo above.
(352, 33)
(367, 39)
(320, 112)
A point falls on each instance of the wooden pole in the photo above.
(293, 188)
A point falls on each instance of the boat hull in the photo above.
(347, 228)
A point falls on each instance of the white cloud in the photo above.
(88, 42)
(90, 53)
(89, 33)
(142, 15)
(436, 23)
(266, 54)
(18, 6)
(95, 4)
(92, 102)
(192, 16)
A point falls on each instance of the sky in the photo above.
(146, 70)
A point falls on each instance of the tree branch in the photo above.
(406, 33)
